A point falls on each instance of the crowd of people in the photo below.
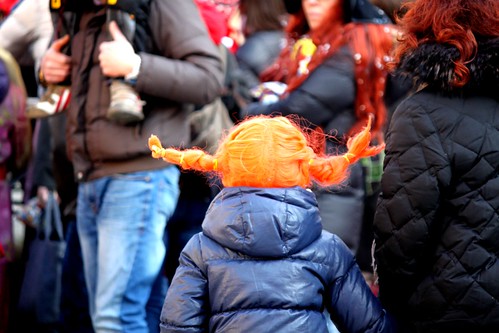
(355, 192)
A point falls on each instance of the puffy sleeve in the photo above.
(353, 306)
(186, 306)
(188, 66)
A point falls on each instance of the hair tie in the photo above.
(346, 157)
(181, 159)
(215, 164)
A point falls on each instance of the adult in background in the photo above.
(332, 72)
(437, 221)
(263, 23)
(125, 198)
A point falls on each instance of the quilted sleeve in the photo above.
(416, 165)
(186, 307)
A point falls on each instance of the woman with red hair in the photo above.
(437, 222)
(262, 262)
(335, 74)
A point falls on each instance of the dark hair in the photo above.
(453, 22)
(262, 15)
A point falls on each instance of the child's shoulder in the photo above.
(329, 249)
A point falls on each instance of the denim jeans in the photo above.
(121, 222)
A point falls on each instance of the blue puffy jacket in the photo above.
(263, 264)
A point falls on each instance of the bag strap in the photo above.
(52, 218)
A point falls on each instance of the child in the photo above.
(262, 262)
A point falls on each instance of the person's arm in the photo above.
(416, 169)
(328, 91)
(186, 307)
(27, 28)
(352, 305)
(189, 68)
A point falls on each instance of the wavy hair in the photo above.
(269, 152)
(459, 23)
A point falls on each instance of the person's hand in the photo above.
(55, 66)
(117, 57)
(42, 194)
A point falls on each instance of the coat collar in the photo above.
(432, 65)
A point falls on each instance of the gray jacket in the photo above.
(29, 26)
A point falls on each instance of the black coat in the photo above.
(263, 264)
(437, 221)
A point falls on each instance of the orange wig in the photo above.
(269, 152)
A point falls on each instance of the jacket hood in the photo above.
(432, 65)
(259, 222)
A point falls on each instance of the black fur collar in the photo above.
(431, 65)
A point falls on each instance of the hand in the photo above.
(117, 57)
(42, 193)
(55, 65)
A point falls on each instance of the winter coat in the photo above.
(437, 221)
(263, 264)
(182, 67)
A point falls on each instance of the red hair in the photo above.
(265, 151)
(453, 22)
(371, 45)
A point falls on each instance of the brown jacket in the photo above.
(183, 68)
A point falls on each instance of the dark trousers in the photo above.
(75, 317)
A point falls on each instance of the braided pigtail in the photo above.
(189, 159)
(332, 170)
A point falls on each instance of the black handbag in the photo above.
(40, 294)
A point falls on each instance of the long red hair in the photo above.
(371, 45)
(265, 151)
(453, 22)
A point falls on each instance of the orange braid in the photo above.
(190, 159)
(265, 151)
(331, 170)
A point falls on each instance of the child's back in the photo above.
(263, 264)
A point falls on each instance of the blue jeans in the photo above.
(121, 222)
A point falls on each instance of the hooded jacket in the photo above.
(263, 264)
(437, 221)
(183, 67)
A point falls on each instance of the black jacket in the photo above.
(263, 264)
(437, 221)
(327, 97)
